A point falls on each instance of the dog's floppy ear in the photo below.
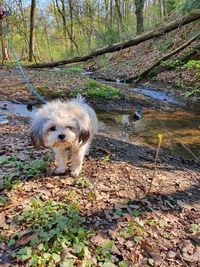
(84, 130)
(84, 136)
(36, 132)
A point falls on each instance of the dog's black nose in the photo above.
(61, 136)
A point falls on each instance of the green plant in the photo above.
(172, 64)
(55, 227)
(103, 253)
(188, 94)
(189, 5)
(136, 213)
(119, 212)
(92, 84)
(72, 195)
(36, 166)
(56, 237)
(3, 160)
(167, 235)
(77, 91)
(16, 167)
(82, 182)
(106, 158)
(105, 256)
(75, 69)
(123, 264)
(165, 45)
(110, 36)
(3, 200)
(195, 228)
(180, 85)
(98, 90)
(193, 64)
(57, 93)
(9, 183)
(133, 229)
(43, 89)
(95, 89)
(91, 195)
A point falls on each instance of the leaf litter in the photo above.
(158, 230)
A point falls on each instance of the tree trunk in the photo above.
(106, 4)
(32, 31)
(4, 51)
(111, 13)
(119, 14)
(64, 22)
(71, 24)
(139, 7)
(161, 3)
(195, 15)
(66, 31)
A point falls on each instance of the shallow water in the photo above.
(176, 126)
(158, 95)
(179, 129)
(19, 109)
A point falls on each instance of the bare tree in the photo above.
(68, 33)
(32, 31)
(3, 46)
(139, 7)
(4, 50)
(119, 14)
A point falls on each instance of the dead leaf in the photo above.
(25, 239)
(2, 219)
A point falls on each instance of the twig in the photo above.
(155, 161)
(106, 151)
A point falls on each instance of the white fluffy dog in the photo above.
(67, 128)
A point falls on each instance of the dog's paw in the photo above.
(75, 172)
(59, 170)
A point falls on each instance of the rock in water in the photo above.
(138, 113)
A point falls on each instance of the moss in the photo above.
(75, 70)
(193, 64)
(95, 89)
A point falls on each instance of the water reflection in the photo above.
(176, 127)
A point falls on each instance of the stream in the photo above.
(179, 128)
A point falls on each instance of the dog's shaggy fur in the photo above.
(67, 128)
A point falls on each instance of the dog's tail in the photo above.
(80, 98)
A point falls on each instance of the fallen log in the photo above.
(193, 16)
(143, 74)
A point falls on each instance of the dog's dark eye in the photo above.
(69, 127)
(53, 128)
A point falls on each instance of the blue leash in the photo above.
(26, 80)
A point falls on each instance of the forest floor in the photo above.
(129, 228)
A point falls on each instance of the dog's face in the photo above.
(58, 132)
(53, 127)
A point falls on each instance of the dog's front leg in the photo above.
(77, 158)
(61, 157)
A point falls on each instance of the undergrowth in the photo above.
(57, 238)
(13, 168)
(95, 89)
(75, 70)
